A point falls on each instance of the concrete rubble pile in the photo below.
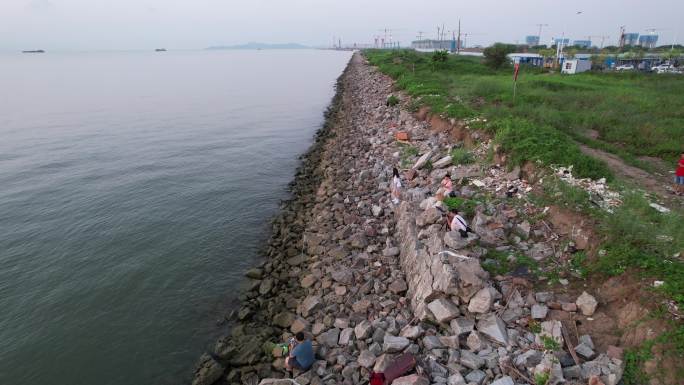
(599, 191)
(368, 280)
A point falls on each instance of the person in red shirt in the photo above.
(679, 175)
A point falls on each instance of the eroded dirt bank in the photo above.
(368, 280)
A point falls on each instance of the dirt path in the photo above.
(661, 186)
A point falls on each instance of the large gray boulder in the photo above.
(493, 327)
(586, 303)
(443, 309)
(392, 344)
(208, 371)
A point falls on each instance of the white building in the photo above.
(575, 66)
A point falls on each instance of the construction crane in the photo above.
(539, 39)
(387, 36)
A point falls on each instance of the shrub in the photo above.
(541, 378)
(461, 156)
(440, 56)
(496, 56)
(392, 101)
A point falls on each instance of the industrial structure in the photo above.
(429, 45)
(532, 40)
(630, 38)
(582, 43)
(648, 41)
(562, 41)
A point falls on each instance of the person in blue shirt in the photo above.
(301, 353)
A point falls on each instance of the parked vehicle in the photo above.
(625, 67)
(662, 68)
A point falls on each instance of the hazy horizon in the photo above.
(84, 25)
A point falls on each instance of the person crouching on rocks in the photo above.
(458, 223)
(446, 187)
(301, 355)
(396, 186)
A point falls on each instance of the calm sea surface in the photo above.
(135, 190)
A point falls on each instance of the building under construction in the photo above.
(434, 45)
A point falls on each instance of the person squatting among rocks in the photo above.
(395, 187)
(456, 222)
(301, 355)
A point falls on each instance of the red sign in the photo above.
(515, 74)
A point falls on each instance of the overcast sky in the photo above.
(181, 24)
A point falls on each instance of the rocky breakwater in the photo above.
(367, 280)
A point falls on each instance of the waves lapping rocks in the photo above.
(367, 280)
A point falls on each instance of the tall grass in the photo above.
(634, 114)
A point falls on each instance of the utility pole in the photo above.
(674, 40)
(458, 42)
(540, 31)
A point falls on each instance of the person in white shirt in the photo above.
(458, 223)
(395, 188)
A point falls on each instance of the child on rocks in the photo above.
(446, 187)
(395, 187)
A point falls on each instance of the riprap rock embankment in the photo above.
(367, 280)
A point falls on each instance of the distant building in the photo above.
(565, 41)
(582, 43)
(533, 59)
(631, 38)
(434, 45)
(648, 41)
(532, 40)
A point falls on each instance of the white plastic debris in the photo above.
(658, 283)
(660, 208)
(598, 190)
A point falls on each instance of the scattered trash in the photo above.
(402, 136)
(664, 238)
(660, 208)
(658, 283)
(598, 190)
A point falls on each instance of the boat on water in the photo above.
(34, 51)
(160, 50)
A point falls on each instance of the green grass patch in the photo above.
(465, 206)
(638, 236)
(634, 114)
(502, 262)
(526, 141)
(406, 154)
(550, 343)
(541, 378)
(461, 156)
(392, 101)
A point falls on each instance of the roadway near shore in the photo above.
(659, 185)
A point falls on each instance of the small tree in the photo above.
(496, 55)
(570, 53)
(440, 56)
